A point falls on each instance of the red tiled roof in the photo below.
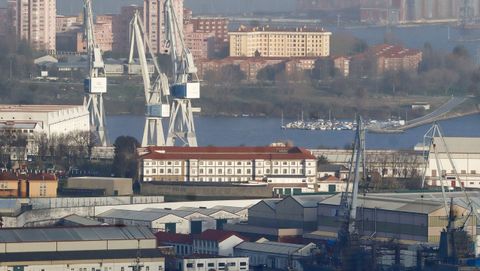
(225, 153)
(8, 175)
(217, 235)
(167, 237)
(330, 179)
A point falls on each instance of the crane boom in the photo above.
(185, 84)
(95, 84)
(155, 93)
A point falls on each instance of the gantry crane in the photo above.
(95, 84)
(185, 86)
(156, 93)
(449, 252)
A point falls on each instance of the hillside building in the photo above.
(268, 42)
(41, 185)
(109, 185)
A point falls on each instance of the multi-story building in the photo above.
(120, 27)
(154, 22)
(216, 242)
(80, 248)
(227, 164)
(28, 185)
(200, 44)
(199, 263)
(267, 42)
(67, 23)
(219, 28)
(35, 22)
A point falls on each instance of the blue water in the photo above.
(226, 131)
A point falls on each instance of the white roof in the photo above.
(265, 246)
(459, 144)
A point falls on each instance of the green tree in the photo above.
(125, 160)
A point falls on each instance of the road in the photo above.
(430, 117)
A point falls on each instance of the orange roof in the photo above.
(226, 153)
(8, 175)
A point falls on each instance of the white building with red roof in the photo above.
(216, 242)
(227, 164)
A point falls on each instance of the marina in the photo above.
(340, 125)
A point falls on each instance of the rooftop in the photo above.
(263, 245)
(168, 237)
(133, 215)
(458, 144)
(35, 108)
(217, 235)
(267, 28)
(225, 153)
(93, 233)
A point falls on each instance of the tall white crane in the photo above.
(156, 93)
(349, 200)
(96, 82)
(186, 86)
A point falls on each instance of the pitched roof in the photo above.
(217, 235)
(134, 215)
(225, 153)
(8, 175)
(271, 247)
(168, 237)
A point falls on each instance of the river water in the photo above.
(229, 131)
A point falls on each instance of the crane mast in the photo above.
(185, 86)
(349, 200)
(155, 93)
(95, 84)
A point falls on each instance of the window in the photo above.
(243, 263)
(200, 265)
(189, 265)
(239, 171)
(211, 265)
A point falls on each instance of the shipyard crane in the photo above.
(95, 84)
(448, 252)
(185, 85)
(349, 199)
(156, 92)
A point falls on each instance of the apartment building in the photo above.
(216, 26)
(154, 22)
(67, 23)
(14, 185)
(227, 164)
(35, 22)
(200, 44)
(268, 42)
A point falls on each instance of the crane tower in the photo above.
(95, 84)
(185, 86)
(155, 93)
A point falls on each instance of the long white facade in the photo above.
(232, 164)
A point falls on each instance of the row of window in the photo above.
(228, 163)
(220, 265)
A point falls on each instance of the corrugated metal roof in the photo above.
(80, 220)
(13, 235)
(458, 144)
(133, 215)
(270, 247)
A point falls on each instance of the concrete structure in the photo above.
(227, 164)
(78, 248)
(342, 64)
(276, 255)
(154, 22)
(200, 263)
(111, 186)
(465, 153)
(35, 22)
(266, 42)
(28, 185)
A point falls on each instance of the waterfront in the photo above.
(229, 131)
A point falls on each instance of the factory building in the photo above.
(465, 154)
(185, 220)
(109, 186)
(48, 119)
(79, 248)
(274, 255)
(267, 42)
(228, 164)
(194, 263)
